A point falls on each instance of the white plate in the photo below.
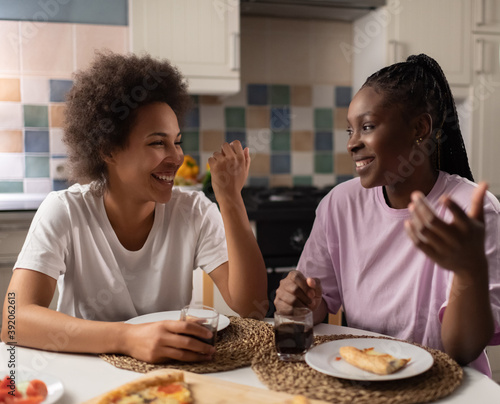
(55, 387)
(323, 358)
(171, 315)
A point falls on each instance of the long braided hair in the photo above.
(420, 86)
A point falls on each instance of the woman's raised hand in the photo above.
(229, 168)
(457, 246)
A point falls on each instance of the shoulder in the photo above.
(460, 189)
(74, 202)
(345, 194)
(192, 201)
(190, 197)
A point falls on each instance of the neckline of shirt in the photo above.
(113, 238)
(431, 196)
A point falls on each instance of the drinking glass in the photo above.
(206, 316)
(293, 333)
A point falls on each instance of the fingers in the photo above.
(420, 241)
(315, 284)
(179, 340)
(296, 291)
(477, 202)
(425, 224)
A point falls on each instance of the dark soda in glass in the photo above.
(293, 338)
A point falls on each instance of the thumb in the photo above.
(477, 202)
(315, 284)
(246, 152)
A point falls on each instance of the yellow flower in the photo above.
(189, 169)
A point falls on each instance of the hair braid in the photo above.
(419, 85)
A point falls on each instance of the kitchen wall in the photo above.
(296, 86)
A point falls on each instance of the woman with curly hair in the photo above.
(394, 247)
(122, 241)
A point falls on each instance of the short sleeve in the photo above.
(46, 244)
(316, 260)
(211, 250)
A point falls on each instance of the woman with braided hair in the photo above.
(395, 247)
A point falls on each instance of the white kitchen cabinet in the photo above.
(13, 229)
(438, 28)
(201, 37)
(486, 15)
(485, 101)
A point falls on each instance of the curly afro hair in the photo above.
(102, 104)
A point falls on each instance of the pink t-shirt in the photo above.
(360, 251)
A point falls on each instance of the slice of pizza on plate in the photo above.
(372, 361)
(161, 389)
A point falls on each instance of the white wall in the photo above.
(369, 46)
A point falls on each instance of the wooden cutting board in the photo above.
(211, 390)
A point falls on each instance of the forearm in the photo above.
(247, 275)
(43, 328)
(468, 321)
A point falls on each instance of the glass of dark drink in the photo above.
(293, 333)
(206, 316)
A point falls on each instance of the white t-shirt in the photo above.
(71, 239)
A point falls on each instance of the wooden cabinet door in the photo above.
(443, 33)
(486, 15)
(201, 37)
(485, 107)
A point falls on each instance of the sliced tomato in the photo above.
(4, 393)
(170, 388)
(37, 388)
(5, 382)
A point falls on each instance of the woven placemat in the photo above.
(440, 380)
(236, 346)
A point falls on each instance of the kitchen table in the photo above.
(87, 376)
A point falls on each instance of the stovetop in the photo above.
(283, 197)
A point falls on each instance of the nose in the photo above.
(354, 143)
(173, 154)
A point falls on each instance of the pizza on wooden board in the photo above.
(167, 388)
(371, 360)
(161, 389)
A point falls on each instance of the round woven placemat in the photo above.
(236, 346)
(440, 380)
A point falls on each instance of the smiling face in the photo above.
(145, 169)
(380, 138)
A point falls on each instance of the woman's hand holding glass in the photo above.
(162, 340)
(298, 291)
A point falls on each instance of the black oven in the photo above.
(283, 218)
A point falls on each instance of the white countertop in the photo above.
(18, 201)
(87, 376)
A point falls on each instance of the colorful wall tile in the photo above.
(10, 89)
(295, 133)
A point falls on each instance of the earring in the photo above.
(418, 141)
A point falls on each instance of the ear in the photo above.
(108, 158)
(423, 126)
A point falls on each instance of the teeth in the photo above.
(362, 163)
(164, 177)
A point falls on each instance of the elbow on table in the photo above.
(468, 352)
(256, 310)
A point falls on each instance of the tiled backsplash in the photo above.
(296, 133)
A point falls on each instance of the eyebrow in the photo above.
(361, 115)
(162, 134)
